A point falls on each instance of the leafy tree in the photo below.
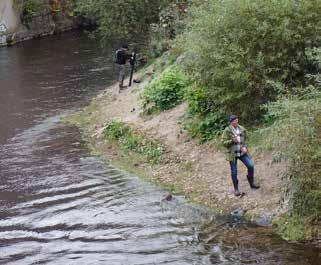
(245, 53)
(122, 19)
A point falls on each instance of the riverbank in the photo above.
(200, 172)
(21, 21)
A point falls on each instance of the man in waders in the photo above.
(121, 59)
(233, 138)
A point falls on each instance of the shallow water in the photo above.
(59, 205)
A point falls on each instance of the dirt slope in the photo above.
(201, 172)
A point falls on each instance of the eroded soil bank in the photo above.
(200, 172)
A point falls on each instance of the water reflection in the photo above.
(39, 77)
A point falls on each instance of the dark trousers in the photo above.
(246, 160)
(121, 71)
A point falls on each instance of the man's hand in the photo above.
(243, 150)
(234, 139)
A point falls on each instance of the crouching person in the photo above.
(233, 138)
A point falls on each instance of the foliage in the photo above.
(164, 92)
(200, 121)
(123, 19)
(245, 53)
(29, 9)
(295, 136)
(292, 227)
(115, 130)
(170, 24)
(128, 140)
(62, 6)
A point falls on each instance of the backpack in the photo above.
(116, 56)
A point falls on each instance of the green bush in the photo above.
(236, 51)
(292, 227)
(200, 121)
(204, 127)
(116, 130)
(171, 23)
(128, 140)
(119, 20)
(30, 8)
(164, 92)
(294, 135)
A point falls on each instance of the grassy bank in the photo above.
(226, 57)
(128, 148)
(155, 146)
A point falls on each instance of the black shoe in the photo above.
(237, 193)
(121, 88)
(236, 188)
(251, 182)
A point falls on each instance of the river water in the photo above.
(59, 205)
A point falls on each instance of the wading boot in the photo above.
(236, 188)
(251, 182)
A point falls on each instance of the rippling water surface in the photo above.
(59, 205)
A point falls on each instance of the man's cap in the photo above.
(125, 46)
(232, 118)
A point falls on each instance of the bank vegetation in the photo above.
(258, 59)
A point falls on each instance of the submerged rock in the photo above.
(239, 212)
(264, 220)
(168, 197)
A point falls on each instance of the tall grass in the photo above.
(294, 135)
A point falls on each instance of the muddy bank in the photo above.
(200, 172)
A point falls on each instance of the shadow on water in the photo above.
(59, 205)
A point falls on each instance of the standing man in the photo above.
(121, 59)
(233, 138)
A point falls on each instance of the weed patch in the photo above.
(164, 92)
(130, 141)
